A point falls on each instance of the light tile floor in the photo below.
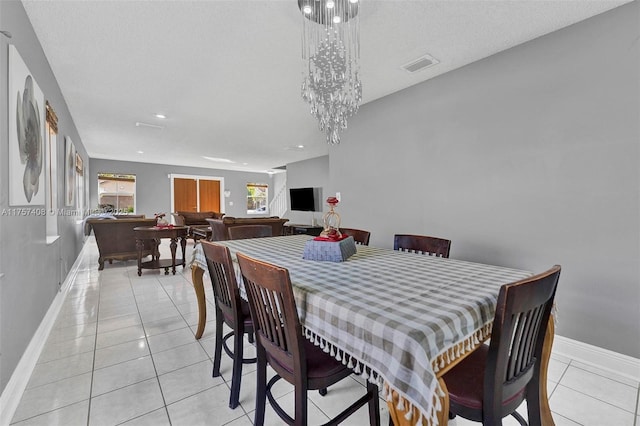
(122, 351)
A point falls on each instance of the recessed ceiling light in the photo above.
(336, 19)
(300, 146)
(353, 1)
(245, 164)
(330, 4)
(218, 160)
(140, 152)
(159, 116)
(306, 9)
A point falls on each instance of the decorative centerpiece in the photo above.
(161, 222)
(331, 223)
(330, 245)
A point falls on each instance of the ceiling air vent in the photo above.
(421, 63)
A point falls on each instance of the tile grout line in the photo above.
(225, 381)
(637, 413)
(95, 348)
(146, 338)
(49, 383)
(571, 364)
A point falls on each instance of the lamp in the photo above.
(331, 62)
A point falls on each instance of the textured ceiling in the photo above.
(227, 73)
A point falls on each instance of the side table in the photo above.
(156, 234)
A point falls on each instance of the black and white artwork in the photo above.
(70, 172)
(26, 135)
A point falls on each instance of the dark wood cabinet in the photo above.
(296, 229)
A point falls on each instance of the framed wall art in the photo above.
(79, 164)
(69, 172)
(26, 135)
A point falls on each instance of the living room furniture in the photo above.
(220, 227)
(494, 379)
(116, 239)
(376, 283)
(200, 233)
(281, 343)
(155, 234)
(359, 236)
(195, 221)
(99, 216)
(298, 229)
(231, 310)
(422, 244)
(249, 231)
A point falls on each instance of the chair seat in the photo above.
(319, 364)
(465, 381)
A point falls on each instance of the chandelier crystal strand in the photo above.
(331, 59)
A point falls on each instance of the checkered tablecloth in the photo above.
(393, 316)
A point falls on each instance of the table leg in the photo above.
(156, 249)
(183, 244)
(173, 246)
(545, 410)
(198, 285)
(139, 246)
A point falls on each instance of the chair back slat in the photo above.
(250, 231)
(223, 278)
(359, 236)
(272, 304)
(517, 337)
(422, 244)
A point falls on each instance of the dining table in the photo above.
(399, 319)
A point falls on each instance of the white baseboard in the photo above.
(12, 393)
(598, 357)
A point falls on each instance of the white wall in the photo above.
(33, 269)
(312, 173)
(153, 186)
(525, 159)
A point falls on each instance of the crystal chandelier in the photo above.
(331, 62)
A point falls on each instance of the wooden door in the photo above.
(185, 196)
(209, 195)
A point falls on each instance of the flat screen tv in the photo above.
(303, 199)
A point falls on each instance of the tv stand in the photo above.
(297, 229)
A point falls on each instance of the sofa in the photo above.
(220, 227)
(116, 240)
(194, 220)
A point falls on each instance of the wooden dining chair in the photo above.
(281, 344)
(250, 231)
(494, 379)
(422, 244)
(359, 236)
(232, 310)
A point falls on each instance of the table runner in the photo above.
(392, 316)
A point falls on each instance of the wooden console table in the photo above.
(156, 234)
(296, 229)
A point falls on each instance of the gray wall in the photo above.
(153, 187)
(33, 269)
(525, 159)
(308, 173)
